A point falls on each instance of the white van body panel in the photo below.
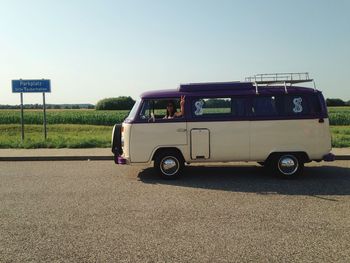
(228, 140)
(303, 135)
(145, 138)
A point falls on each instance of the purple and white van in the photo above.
(266, 119)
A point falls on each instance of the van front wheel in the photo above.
(287, 165)
(169, 164)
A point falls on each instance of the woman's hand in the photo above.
(182, 107)
(182, 101)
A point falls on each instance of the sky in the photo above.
(92, 50)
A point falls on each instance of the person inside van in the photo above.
(171, 111)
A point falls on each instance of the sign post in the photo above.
(22, 119)
(31, 86)
(44, 106)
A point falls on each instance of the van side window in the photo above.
(239, 106)
(211, 107)
(216, 107)
(157, 108)
(286, 105)
(146, 110)
(266, 106)
(315, 104)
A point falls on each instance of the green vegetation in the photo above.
(339, 115)
(59, 136)
(120, 103)
(340, 136)
(90, 117)
(48, 106)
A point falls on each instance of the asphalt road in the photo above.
(99, 212)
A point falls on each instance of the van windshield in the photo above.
(133, 111)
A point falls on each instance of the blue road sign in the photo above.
(31, 86)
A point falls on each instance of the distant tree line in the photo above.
(49, 106)
(337, 102)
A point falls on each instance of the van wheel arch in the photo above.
(302, 155)
(167, 149)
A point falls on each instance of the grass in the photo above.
(91, 136)
(59, 136)
(340, 136)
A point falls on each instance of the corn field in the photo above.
(338, 116)
(89, 117)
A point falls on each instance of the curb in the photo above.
(91, 158)
(342, 157)
(55, 158)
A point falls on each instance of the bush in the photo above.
(120, 103)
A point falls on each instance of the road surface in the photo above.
(96, 211)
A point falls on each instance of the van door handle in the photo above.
(181, 130)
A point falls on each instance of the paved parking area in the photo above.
(96, 211)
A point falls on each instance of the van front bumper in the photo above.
(118, 159)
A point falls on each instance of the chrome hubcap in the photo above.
(288, 164)
(169, 165)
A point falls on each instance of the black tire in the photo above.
(286, 165)
(169, 164)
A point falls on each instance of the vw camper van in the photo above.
(266, 119)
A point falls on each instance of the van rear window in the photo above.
(286, 105)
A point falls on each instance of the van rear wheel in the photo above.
(287, 165)
(169, 164)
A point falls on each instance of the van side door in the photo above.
(219, 129)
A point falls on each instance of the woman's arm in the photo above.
(182, 108)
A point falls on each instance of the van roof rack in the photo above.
(273, 78)
(279, 78)
(251, 82)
